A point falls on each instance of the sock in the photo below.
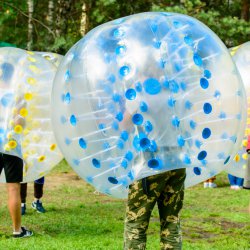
(16, 233)
(22, 204)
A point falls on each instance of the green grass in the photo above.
(78, 218)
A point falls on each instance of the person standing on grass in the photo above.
(165, 189)
(38, 194)
(13, 167)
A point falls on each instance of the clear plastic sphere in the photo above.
(26, 80)
(145, 94)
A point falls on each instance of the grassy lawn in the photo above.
(79, 218)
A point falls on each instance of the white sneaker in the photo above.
(206, 184)
(212, 185)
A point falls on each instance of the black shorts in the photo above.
(13, 168)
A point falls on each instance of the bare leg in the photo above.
(14, 204)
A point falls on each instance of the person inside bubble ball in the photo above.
(165, 189)
(12, 165)
(38, 194)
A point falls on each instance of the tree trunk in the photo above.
(84, 19)
(63, 8)
(50, 14)
(30, 4)
(245, 10)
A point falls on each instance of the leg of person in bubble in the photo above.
(167, 190)
(38, 194)
(236, 183)
(13, 167)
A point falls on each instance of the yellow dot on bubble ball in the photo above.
(36, 138)
(41, 158)
(244, 166)
(18, 129)
(31, 59)
(12, 144)
(28, 96)
(35, 124)
(25, 156)
(11, 123)
(6, 147)
(34, 69)
(14, 111)
(26, 131)
(245, 156)
(23, 112)
(237, 158)
(32, 152)
(31, 80)
(52, 147)
(9, 135)
(30, 52)
(29, 118)
(244, 143)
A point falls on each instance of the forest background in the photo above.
(56, 25)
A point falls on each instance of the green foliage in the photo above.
(223, 17)
(220, 17)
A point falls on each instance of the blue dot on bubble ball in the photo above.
(143, 107)
(206, 133)
(197, 60)
(148, 126)
(82, 143)
(207, 74)
(202, 155)
(204, 83)
(73, 120)
(124, 70)
(130, 94)
(207, 108)
(197, 171)
(152, 86)
(113, 180)
(96, 163)
(7, 99)
(67, 98)
(137, 119)
(154, 163)
(227, 160)
(144, 143)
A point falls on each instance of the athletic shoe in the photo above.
(206, 184)
(212, 185)
(23, 209)
(25, 233)
(38, 206)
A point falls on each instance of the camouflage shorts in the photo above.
(167, 189)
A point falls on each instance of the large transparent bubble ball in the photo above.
(241, 56)
(26, 80)
(146, 94)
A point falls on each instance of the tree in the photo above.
(30, 4)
